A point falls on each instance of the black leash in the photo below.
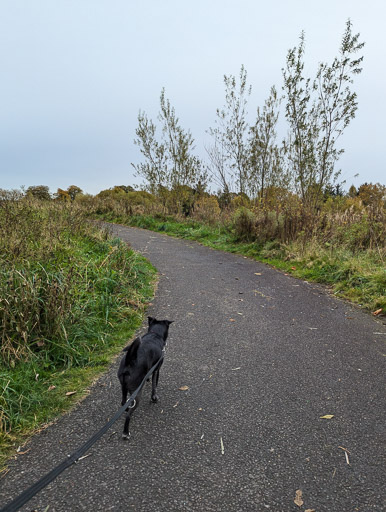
(74, 457)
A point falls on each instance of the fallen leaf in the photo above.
(22, 453)
(298, 498)
(51, 388)
(70, 393)
(37, 377)
(377, 312)
(183, 388)
(293, 268)
(232, 320)
(310, 510)
(257, 273)
(327, 416)
(175, 405)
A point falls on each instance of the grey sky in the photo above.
(75, 73)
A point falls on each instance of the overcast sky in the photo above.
(75, 73)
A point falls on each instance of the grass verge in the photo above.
(99, 289)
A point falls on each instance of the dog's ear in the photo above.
(132, 350)
(168, 322)
(151, 320)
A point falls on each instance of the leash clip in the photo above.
(134, 404)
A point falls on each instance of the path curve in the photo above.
(264, 356)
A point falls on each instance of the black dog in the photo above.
(140, 356)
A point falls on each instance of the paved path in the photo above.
(264, 356)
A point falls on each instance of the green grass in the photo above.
(357, 276)
(99, 290)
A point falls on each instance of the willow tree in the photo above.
(169, 161)
(264, 154)
(318, 112)
(154, 167)
(231, 132)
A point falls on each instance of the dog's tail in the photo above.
(132, 350)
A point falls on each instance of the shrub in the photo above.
(207, 210)
(244, 224)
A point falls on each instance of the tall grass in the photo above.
(68, 296)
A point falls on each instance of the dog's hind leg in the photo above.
(126, 433)
(154, 384)
(124, 393)
(130, 410)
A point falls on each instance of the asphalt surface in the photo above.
(264, 356)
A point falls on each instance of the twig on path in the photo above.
(346, 452)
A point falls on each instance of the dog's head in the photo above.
(160, 327)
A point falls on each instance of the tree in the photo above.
(230, 134)
(62, 195)
(372, 194)
(125, 188)
(352, 192)
(299, 146)
(318, 113)
(185, 169)
(169, 161)
(218, 169)
(154, 168)
(39, 192)
(337, 104)
(264, 156)
(333, 191)
(73, 191)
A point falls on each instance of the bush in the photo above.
(244, 224)
(207, 210)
